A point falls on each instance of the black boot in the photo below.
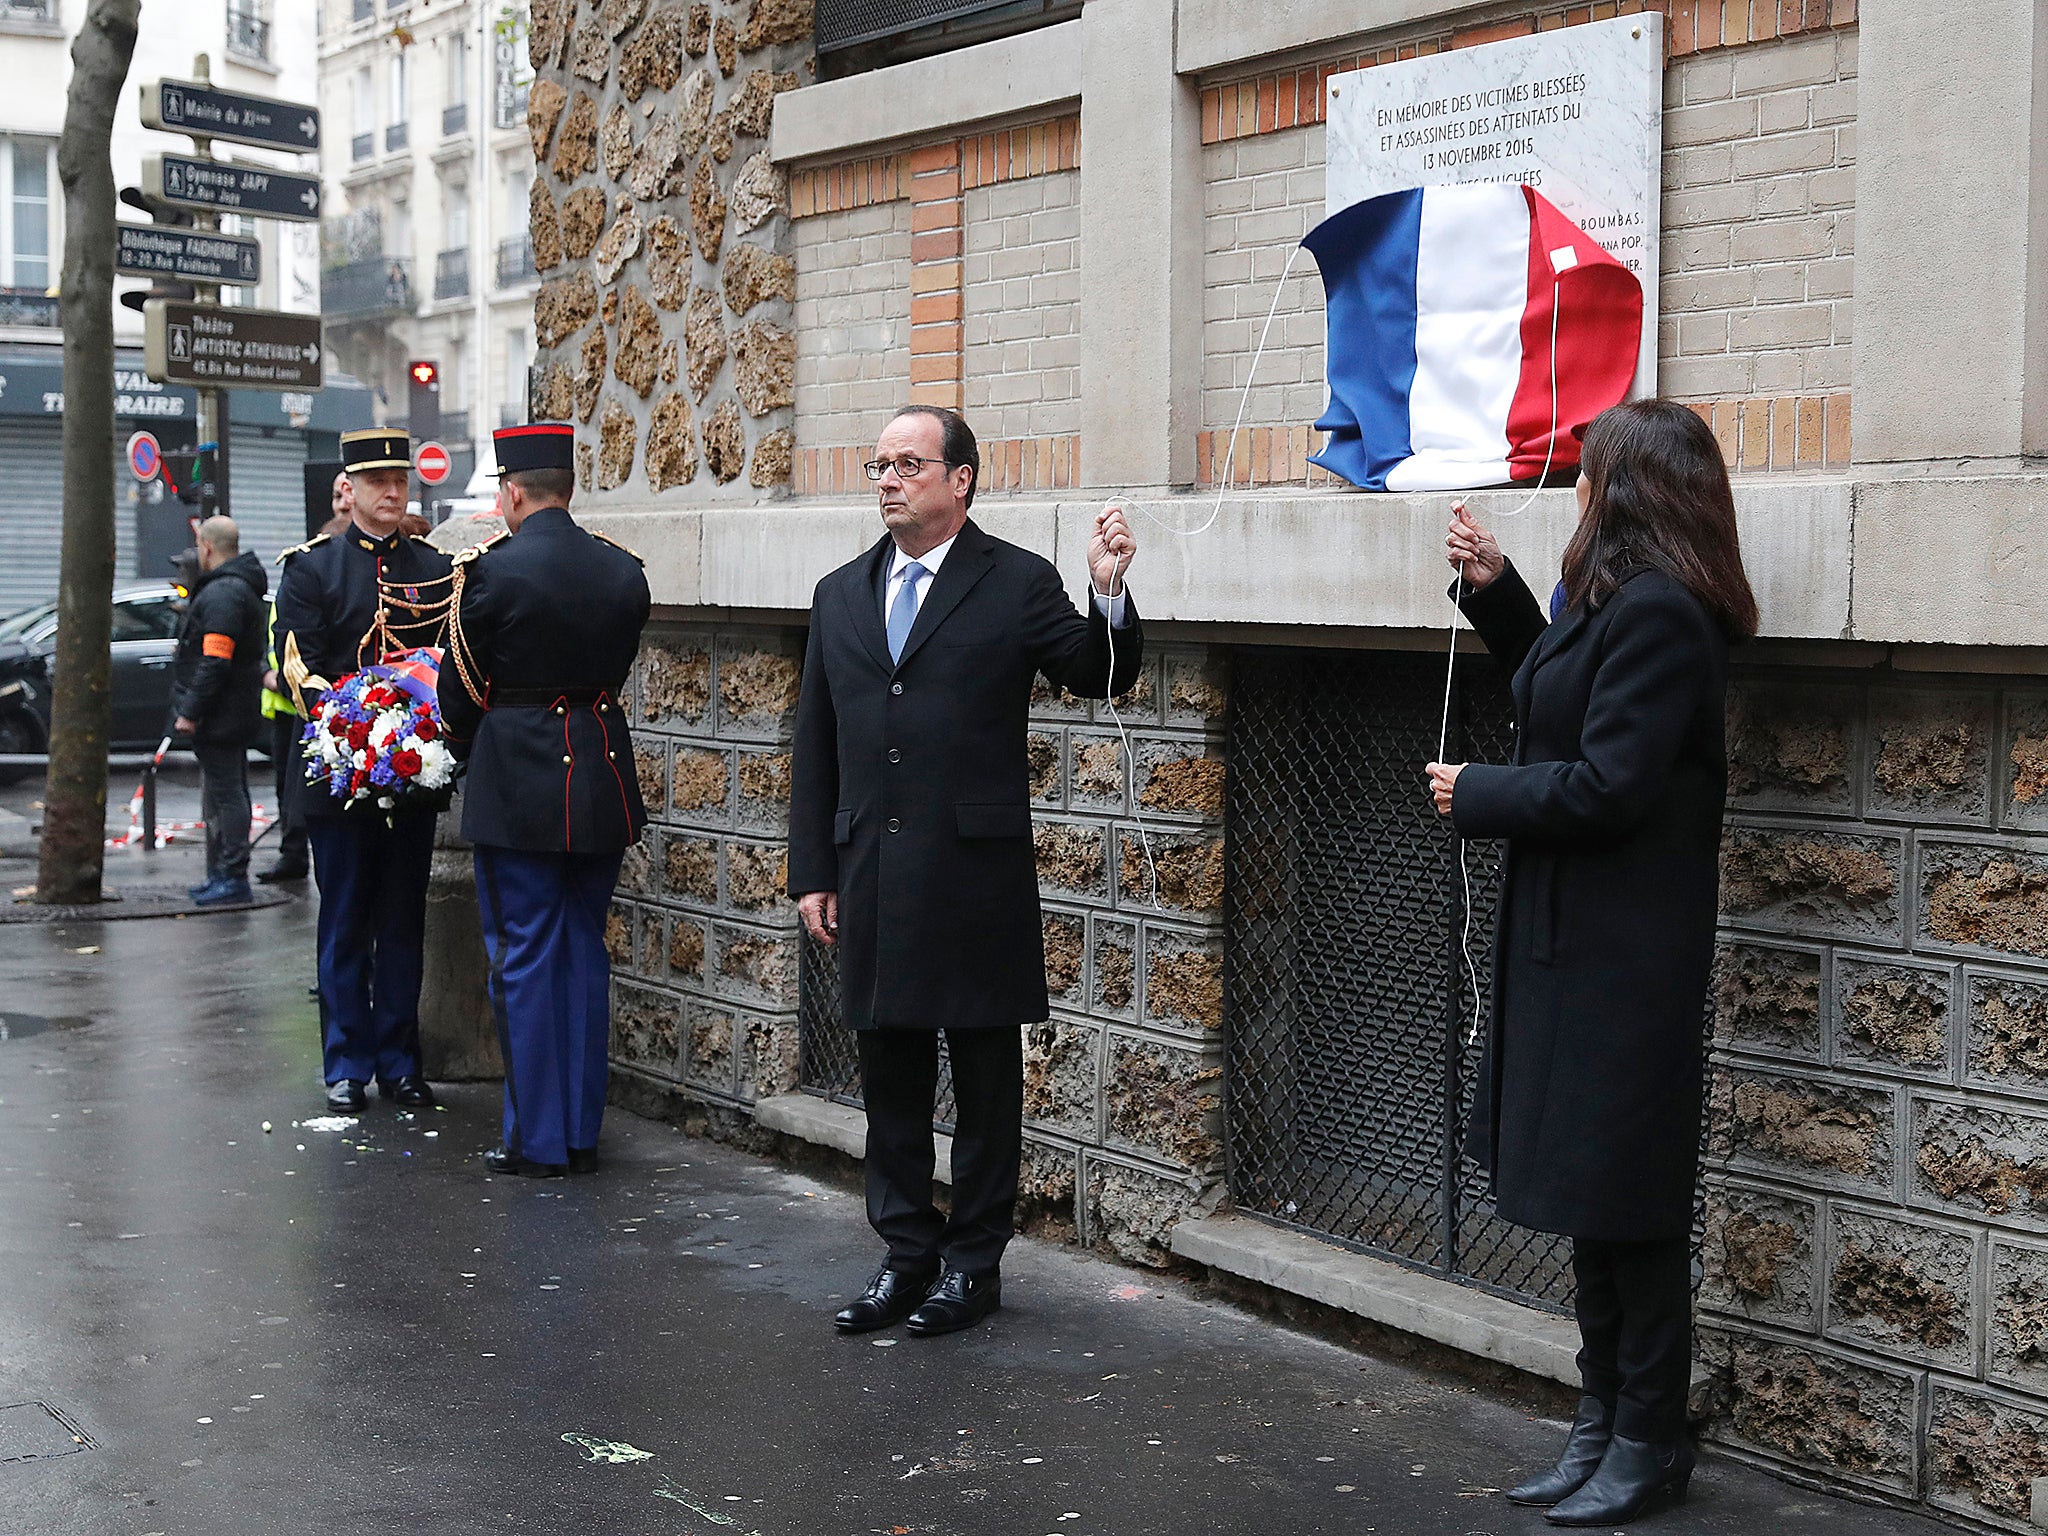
(1633, 1475)
(1583, 1448)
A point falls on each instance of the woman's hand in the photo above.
(1472, 550)
(1443, 778)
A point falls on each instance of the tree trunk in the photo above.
(75, 798)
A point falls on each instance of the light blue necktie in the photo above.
(903, 612)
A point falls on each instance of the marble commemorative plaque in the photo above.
(1577, 113)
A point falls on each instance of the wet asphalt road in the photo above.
(359, 1331)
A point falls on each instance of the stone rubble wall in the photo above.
(660, 228)
(1875, 1301)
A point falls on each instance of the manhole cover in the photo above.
(19, 1026)
(36, 1432)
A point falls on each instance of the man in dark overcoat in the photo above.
(546, 624)
(215, 697)
(910, 842)
(344, 601)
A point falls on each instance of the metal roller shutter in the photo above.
(267, 489)
(31, 523)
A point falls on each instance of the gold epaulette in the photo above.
(464, 556)
(300, 549)
(615, 544)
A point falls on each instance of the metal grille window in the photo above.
(828, 1054)
(1348, 1077)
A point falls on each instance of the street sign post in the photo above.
(145, 459)
(197, 255)
(238, 348)
(192, 107)
(185, 182)
(433, 463)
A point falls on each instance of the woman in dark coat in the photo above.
(1588, 1110)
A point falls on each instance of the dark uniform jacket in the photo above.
(327, 604)
(219, 677)
(550, 623)
(1588, 1109)
(911, 794)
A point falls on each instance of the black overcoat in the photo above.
(1588, 1106)
(910, 790)
(218, 685)
(550, 622)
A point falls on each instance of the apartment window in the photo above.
(28, 10)
(363, 108)
(512, 412)
(395, 131)
(28, 173)
(455, 213)
(248, 30)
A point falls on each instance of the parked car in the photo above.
(145, 644)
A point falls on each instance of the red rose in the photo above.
(337, 727)
(406, 763)
(425, 729)
(358, 734)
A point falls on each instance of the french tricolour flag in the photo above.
(1441, 362)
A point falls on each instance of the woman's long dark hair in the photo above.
(1660, 498)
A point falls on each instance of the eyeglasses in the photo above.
(908, 466)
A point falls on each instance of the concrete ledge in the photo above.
(1030, 72)
(1475, 1322)
(1215, 34)
(841, 1127)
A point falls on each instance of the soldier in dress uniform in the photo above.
(345, 600)
(545, 624)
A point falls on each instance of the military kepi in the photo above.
(544, 445)
(375, 448)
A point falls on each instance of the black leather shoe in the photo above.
(1583, 1448)
(959, 1300)
(583, 1160)
(346, 1095)
(412, 1092)
(890, 1297)
(282, 874)
(1634, 1476)
(498, 1160)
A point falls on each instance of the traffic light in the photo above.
(189, 473)
(423, 381)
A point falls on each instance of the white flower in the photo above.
(384, 727)
(437, 763)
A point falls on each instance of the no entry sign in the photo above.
(433, 463)
(144, 457)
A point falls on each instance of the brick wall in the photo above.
(1875, 1303)
(852, 321)
(1022, 292)
(1758, 236)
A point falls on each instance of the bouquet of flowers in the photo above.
(376, 736)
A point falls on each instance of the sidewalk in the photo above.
(359, 1331)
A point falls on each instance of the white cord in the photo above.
(1443, 735)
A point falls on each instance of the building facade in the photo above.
(250, 45)
(424, 252)
(756, 241)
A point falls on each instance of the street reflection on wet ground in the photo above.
(260, 1318)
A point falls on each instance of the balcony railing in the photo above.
(395, 138)
(365, 290)
(362, 146)
(451, 273)
(454, 119)
(27, 306)
(515, 261)
(28, 10)
(248, 35)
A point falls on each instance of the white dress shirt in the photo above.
(933, 558)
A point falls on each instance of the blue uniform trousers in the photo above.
(372, 876)
(550, 980)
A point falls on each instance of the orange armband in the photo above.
(222, 646)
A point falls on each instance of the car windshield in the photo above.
(15, 625)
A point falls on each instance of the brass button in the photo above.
(613, 756)
(895, 825)
(560, 710)
(566, 758)
(601, 708)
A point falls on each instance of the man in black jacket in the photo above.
(546, 625)
(910, 843)
(215, 694)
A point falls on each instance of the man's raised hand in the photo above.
(1111, 548)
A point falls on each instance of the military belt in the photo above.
(547, 698)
